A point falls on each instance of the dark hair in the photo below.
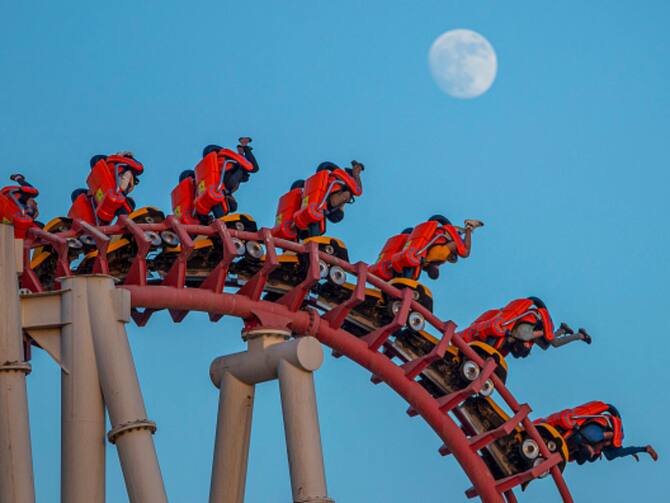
(441, 219)
(538, 302)
(330, 166)
(298, 184)
(76, 193)
(187, 173)
(335, 215)
(210, 148)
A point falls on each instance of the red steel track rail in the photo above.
(289, 312)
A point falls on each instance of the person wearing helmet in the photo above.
(27, 198)
(519, 325)
(429, 245)
(18, 206)
(111, 180)
(593, 430)
(458, 245)
(218, 175)
(324, 196)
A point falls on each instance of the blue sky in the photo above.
(565, 159)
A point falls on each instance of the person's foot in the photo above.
(473, 224)
(585, 336)
(17, 177)
(566, 329)
(652, 452)
(244, 140)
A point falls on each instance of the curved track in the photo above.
(296, 310)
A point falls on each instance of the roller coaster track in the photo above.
(296, 310)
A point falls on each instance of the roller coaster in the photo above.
(301, 289)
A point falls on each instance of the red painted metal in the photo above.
(372, 351)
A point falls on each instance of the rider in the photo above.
(324, 196)
(520, 324)
(111, 180)
(209, 188)
(592, 430)
(19, 206)
(429, 245)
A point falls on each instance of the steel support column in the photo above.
(131, 431)
(82, 409)
(269, 356)
(231, 447)
(16, 464)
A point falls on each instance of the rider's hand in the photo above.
(357, 167)
(244, 140)
(17, 177)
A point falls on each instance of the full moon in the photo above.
(463, 63)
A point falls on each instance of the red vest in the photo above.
(382, 267)
(183, 201)
(289, 204)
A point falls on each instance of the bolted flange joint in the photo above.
(16, 366)
(139, 424)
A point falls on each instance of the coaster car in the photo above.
(122, 248)
(519, 325)
(43, 259)
(208, 252)
(513, 453)
(293, 267)
(13, 209)
(378, 309)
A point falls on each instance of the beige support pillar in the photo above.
(303, 436)
(16, 465)
(269, 356)
(231, 447)
(82, 409)
(131, 431)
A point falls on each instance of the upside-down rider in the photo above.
(18, 205)
(111, 180)
(425, 247)
(324, 196)
(519, 325)
(208, 190)
(592, 430)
